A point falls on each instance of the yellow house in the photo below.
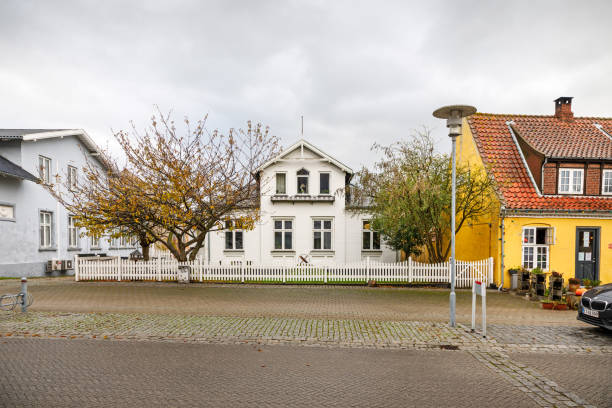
(554, 193)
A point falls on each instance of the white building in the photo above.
(34, 227)
(304, 216)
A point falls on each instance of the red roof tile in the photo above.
(553, 138)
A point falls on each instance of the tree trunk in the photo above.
(145, 250)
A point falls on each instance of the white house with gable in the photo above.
(305, 217)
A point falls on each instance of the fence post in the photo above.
(325, 276)
(242, 271)
(24, 294)
(118, 268)
(76, 268)
(284, 273)
(410, 269)
(200, 269)
(368, 269)
(490, 271)
(159, 268)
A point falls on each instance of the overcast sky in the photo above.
(359, 72)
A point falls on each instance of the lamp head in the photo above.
(453, 115)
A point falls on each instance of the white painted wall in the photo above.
(20, 252)
(346, 225)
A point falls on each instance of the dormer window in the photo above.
(570, 181)
(606, 187)
(302, 181)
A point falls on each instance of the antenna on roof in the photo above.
(302, 126)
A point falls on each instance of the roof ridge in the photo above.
(521, 115)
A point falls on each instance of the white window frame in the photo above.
(94, 242)
(297, 181)
(45, 222)
(231, 231)
(44, 168)
(73, 232)
(72, 177)
(276, 185)
(571, 186)
(328, 182)
(606, 172)
(532, 252)
(11, 206)
(323, 230)
(283, 230)
(371, 232)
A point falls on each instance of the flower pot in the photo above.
(572, 287)
(547, 305)
(560, 307)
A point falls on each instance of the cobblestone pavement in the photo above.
(307, 301)
(322, 332)
(583, 378)
(77, 373)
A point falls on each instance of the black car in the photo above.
(596, 306)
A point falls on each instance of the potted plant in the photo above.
(538, 282)
(573, 284)
(587, 283)
(560, 305)
(547, 304)
(595, 282)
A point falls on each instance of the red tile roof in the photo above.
(553, 138)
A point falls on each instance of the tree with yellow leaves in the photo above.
(173, 189)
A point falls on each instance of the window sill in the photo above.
(372, 251)
(8, 219)
(47, 249)
(233, 251)
(282, 251)
(322, 252)
(73, 249)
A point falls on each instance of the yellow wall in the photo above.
(477, 241)
(562, 254)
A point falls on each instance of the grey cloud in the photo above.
(359, 71)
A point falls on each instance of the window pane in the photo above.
(229, 244)
(376, 243)
(238, 238)
(607, 181)
(324, 183)
(278, 225)
(288, 225)
(528, 235)
(327, 225)
(47, 236)
(540, 236)
(327, 240)
(317, 224)
(564, 180)
(42, 236)
(366, 225)
(577, 181)
(278, 240)
(288, 240)
(280, 183)
(228, 224)
(302, 186)
(317, 240)
(366, 240)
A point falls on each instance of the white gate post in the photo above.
(490, 271)
(118, 268)
(484, 311)
(473, 306)
(159, 268)
(76, 268)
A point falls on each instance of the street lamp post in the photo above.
(454, 115)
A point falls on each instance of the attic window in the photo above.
(302, 181)
(570, 181)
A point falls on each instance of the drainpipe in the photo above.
(502, 248)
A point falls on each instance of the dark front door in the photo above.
(587, 245)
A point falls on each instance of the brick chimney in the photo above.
(563, 108)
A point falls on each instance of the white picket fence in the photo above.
(163, 269)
